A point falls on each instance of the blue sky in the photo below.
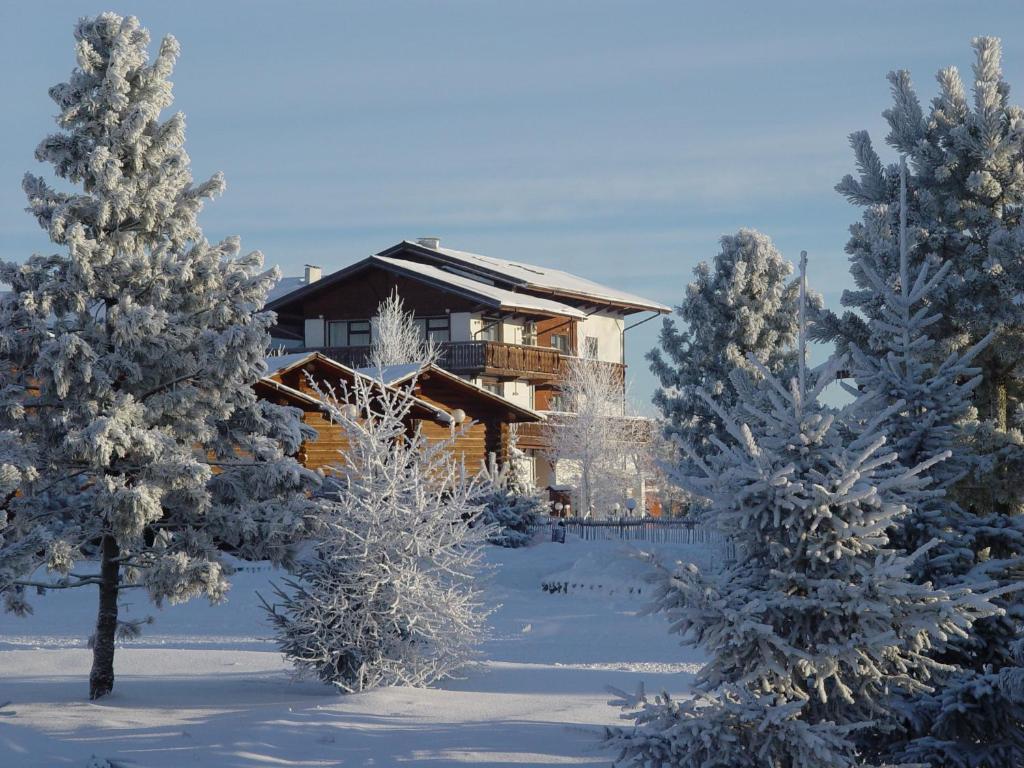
(616, 140)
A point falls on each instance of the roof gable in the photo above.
(401, 375)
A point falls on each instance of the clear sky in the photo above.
(615, 140)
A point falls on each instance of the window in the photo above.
(494, 387)
(590, 347)
(560, 341)
(491, 330)
(438, 328)
(530, 333)
(558, 402)
(348, 333)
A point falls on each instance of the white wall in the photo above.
(512, 331)
(608, 331)
(460, 325)
(519, 392)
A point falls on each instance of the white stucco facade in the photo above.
(607, 329)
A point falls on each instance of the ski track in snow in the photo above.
(205, 687)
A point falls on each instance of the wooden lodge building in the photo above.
(439, 401)
(505, 329)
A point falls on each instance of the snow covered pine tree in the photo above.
(817, 620)
(965, 212)
(388, 596)
(131, 432)
(510, 502)
(744, 305)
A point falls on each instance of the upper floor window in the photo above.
(491, 329)
(348, 333)
(434, 328)
(590, 347)
(494, 387)
(530, 333)
(560, 341)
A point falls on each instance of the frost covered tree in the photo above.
(130, 431)
(965, 156)
(966, 196)
(974, 717)
(591, 443)
(396, 338)
(510, 503)
(388, 595)
(817, 621)
(927, 396)
(744, 304)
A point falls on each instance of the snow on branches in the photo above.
(817, 620)
(129, 426)
(388, 594)
(397, 340)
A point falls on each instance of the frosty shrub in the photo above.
(510, 505)
(388, 594)
(817, 621)
(130, 431)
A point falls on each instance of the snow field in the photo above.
(204, 687)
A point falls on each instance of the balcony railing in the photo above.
(477, 358)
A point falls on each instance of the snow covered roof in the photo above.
(391, 374)
(500, 298)
(395, 375)
(283, 363)
(291, 391)
(533, 277)
(285, 286)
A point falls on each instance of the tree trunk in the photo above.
(101, 679)
(1001, 405)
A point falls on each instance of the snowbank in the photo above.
(203, 687)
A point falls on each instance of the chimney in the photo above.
(313, 273)
(429, 242)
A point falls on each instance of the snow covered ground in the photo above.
(205, 687)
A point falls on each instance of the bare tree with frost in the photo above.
(396, 338)
(134, 449)
(389, 595)
(591, 443)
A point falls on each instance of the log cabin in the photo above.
(439, 402)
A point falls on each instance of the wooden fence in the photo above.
(653, 530)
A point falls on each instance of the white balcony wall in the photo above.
(461, 325)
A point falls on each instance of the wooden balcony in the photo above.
(475, 358)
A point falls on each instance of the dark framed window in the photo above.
(491, 330)
(348, 333)
(493, 387)
(436, 328)
(560, 341)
